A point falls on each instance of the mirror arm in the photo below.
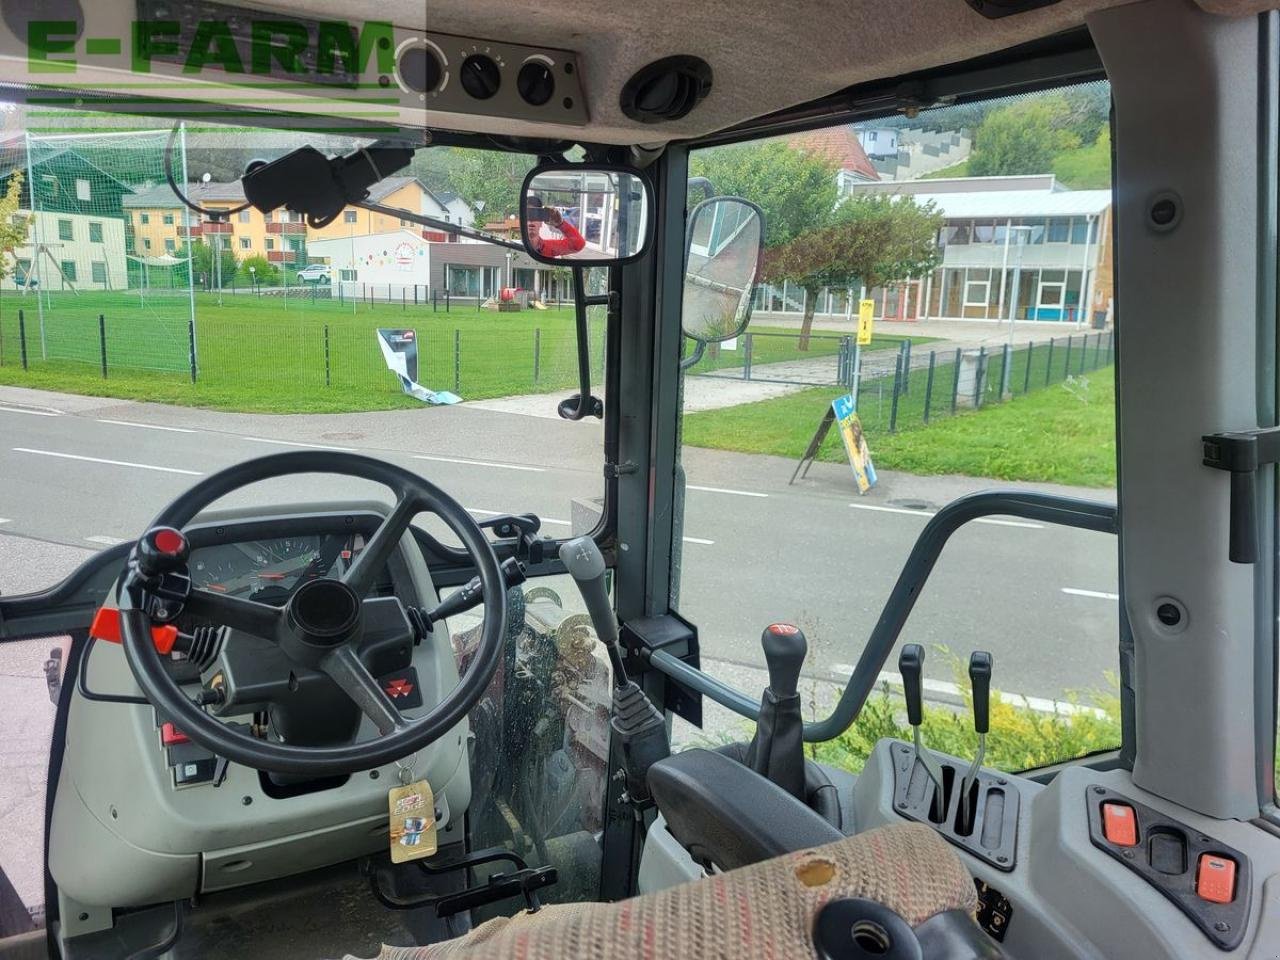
(700, 347)
(582, 404)
(442, 225)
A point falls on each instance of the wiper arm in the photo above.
(444, 226)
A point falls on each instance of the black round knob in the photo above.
(784, 651)
(480, 76)
(536, 83)
(162, 549)
(420, 69)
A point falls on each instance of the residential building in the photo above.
(76, 230)
(878, 142)
(455, 209)
(920, 152)
(841, 146)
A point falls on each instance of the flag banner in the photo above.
(400, 351)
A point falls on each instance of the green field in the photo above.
(300, 354)
(1064, 433)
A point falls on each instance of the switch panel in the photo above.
(1207, 880)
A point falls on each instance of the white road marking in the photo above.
(481, 463)
(295, 443)
(952, 690)
(926, 514)
(497, 513)
(736, 493)
(108, 541)
(147, 426)
(34, 413)
(1095, 594)
(113, 463)
(705, 543)
(5, 520)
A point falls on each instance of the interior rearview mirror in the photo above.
(723, 248)
(586, 215)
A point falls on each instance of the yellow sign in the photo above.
(866, 308)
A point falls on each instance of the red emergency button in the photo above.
(171, 736)
(1216, 878)
(169, 541)
(1119, 824)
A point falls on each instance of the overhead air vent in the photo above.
(666, 89)
(995, 9)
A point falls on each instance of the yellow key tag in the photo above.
(413, 822)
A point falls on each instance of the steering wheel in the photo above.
(319, 628)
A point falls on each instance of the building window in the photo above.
(1059, 229)
(169, 244)
(244, 216)
(98, 271)
(168, 219)
(1080, 230)
(69, 270)
(83, 190)
(977, 290)
(65, 231)
(95, 232)
(957, 233)
(271, 244)
(246, 243)
(146, 243)
(349, 216)
(144, 218)
(266, 217)
(984, 231)
(348, 276)
(1035, 231)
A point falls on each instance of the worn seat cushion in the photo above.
(763, 910)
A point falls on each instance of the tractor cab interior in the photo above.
(303, 657)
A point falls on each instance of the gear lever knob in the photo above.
(784, 651)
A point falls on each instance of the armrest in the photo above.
(727, 814)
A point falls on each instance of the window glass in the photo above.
(69, 270)
(95, 232)
(66, 230)
(990, 366)
(168, 219)
(99, 271)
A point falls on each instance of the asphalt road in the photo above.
(89, 472)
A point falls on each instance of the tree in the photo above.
(202, 263)
(260, 270)
(13, 228)
(873, 239)
(1023, 138)
(795, 190)
(488, 180)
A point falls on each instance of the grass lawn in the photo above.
(299, 354)
(1064, 433)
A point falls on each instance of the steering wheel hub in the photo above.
(324, 613)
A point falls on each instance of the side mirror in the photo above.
(582, 215)
(723, 250)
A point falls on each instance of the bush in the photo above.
(263, 269)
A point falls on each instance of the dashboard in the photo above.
(271, 570)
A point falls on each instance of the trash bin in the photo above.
(1099, 320)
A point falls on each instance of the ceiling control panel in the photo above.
(461, 75)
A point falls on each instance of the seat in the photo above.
(766, 909)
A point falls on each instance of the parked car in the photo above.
(314, 273)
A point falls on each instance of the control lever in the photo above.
(640, 727)
(980, 663)
(777, 749)
(911, 666)
(469, 596)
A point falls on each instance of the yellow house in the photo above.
(161, 224)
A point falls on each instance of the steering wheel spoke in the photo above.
(259, 619)
(377, 551)
(344, 667)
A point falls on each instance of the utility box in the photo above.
(973, 370)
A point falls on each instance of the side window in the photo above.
(980, 250)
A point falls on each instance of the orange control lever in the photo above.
(106, 626)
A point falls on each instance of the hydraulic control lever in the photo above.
(641, 729)
(980, 663)
(911, 666)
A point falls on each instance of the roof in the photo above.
(1017, 181)
(838, 144)
(1020, 203)
(163, 197)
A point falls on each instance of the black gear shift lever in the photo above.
(777, 749)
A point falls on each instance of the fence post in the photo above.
(1084, 353)
(897, 386)
(102, 342)
(906, 365)
(1066, 367)
(415, 294)
(326, 355)
(955, 380)
(1048, 366)
(446, 301)
(191, 346)
(928, 385)
(403, 302)
(1004, 371)
(978, 376)
(22, 338)
(537, 353)
(748, 343)
(1026, 376)
(457, 356)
